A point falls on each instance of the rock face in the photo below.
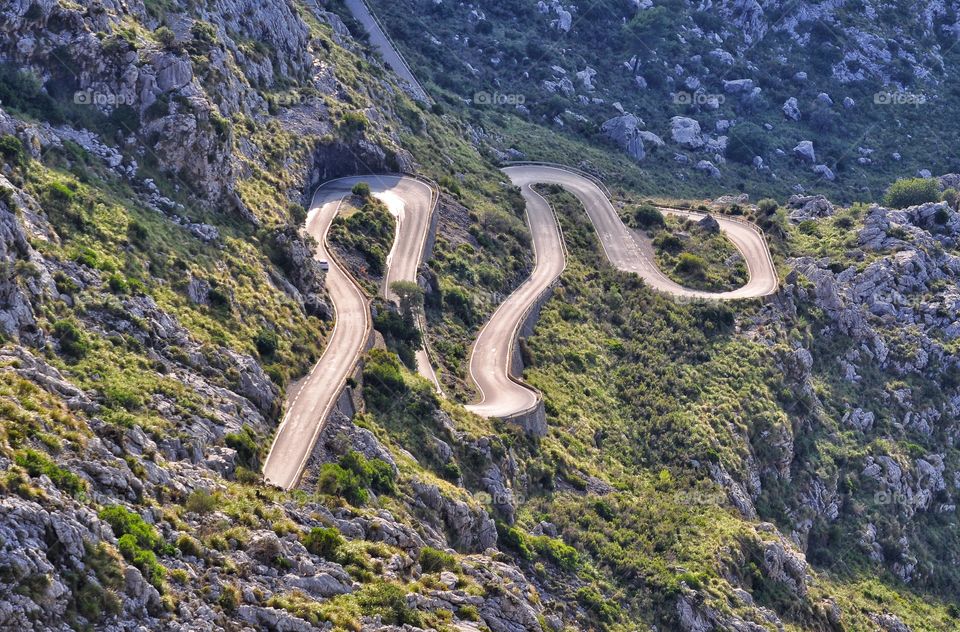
(686, 132)
(804, 151)
(709, 168)
(710, 224)
(791, 109)
(623, 130)
(471, 529)
(895, 301)
(807, 207)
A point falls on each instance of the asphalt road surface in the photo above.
(362, 13)
(503, 395)
(310, 403)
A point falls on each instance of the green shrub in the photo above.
(118, 284)
(248, 453)
(121, 396)
(323, 541)
(137, 542)
(189, 546)
(744, 141)
(38, 464)
(647, 216)
(951, 196)
(389, 601)
(353, 475)
(200, 501)
(381, 373)
(361, 189)
(668, 243)
(125, 522)
(72, 341)
(557, 551)
(514, 539)
(22, 90)
(433, 560)
(911, 192)
(354, 122)
(144, 559)
(374, 473)
(605, 610)
(690, 264)
(266, 342)
(12, 151)
(166, 37)
(767, 206)
(229, 598)
(337, 481)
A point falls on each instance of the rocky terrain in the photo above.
(142, 144)
(158, 303)
(834, 96)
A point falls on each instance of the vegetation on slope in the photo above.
(697, 257)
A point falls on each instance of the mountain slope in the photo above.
(784, 464)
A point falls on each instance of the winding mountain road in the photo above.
(310, 403)
(502, 394)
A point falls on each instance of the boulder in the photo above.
(623, 130)
(824, 172)
(791, 109)
(709, 223)
(686, 132)
(709, 168)
(738, 86)
(804, 151)
(805, 207)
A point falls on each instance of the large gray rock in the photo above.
(804, 151)
(804, 207)
(791, 109)
(686, 132)
(824, 172)
(738, 86)
(469, 528)
(623, 130)
(709, 168)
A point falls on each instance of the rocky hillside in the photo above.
(788, 465)
(838, 96)
(156, 299)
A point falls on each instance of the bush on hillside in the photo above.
(911, 192)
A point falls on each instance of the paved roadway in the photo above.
(501, 394)
(310, 403)
(492, 354)
(363, 14)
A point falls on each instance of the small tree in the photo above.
(410, 296)
(361, 189)
(647, 216)
(323, 541)
(951, 197)
(767, 206)
(911, 192)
